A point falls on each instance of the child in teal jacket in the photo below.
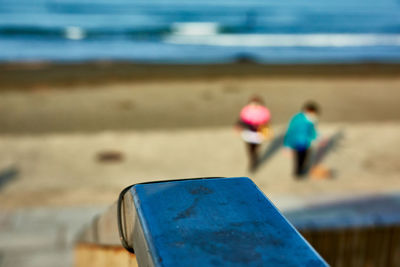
(300, 134)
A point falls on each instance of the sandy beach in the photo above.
(64, 170)
(203, 102)
(51, 136)
(60, 124)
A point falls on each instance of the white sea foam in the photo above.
(74, 33)
(195, 28)
(286, 40)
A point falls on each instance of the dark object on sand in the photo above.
(110, 156)
(7, 175)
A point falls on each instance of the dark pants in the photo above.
(301, 162)
(252, 150)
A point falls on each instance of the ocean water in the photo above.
(200, 31)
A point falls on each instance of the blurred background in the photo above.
(177, 31)
(97, 95)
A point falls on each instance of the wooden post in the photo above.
(210, 222)
(221, 222)
(99, 244)
(194, 222)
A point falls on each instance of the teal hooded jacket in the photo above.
(300, 133)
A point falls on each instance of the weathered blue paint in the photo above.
(217, 222)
